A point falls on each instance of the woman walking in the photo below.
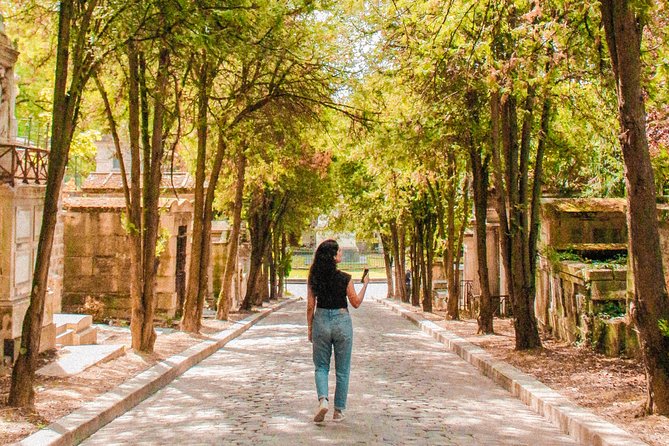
(330, 324)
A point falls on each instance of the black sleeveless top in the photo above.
(335, 296)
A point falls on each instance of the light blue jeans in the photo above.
(332, 328)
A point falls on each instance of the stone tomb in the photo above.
(578, 278)
(581, 286)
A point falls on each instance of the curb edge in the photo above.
(80, 424)
(580, 424)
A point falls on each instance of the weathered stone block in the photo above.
(165, 284)
(109, 224)
(18, 313)
(167, 303)
(105, 266)
(78, 266)
(78, 245)
(110, 245)
(93, 284)
(608, 290)
(615, 337)
(606, 274)
(48, 337)
(72, 301)
(166, 266)
(75, 222)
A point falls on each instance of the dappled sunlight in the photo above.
(259, 389)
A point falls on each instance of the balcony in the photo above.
(22, 162)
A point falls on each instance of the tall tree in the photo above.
(224, 301)
(624, 22)
(75, 63)
(197, 282)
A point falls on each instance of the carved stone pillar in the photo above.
(8, 56)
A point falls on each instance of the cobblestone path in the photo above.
(406, 389)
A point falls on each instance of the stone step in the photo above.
(74, 329)
(74, 359)
(88, 336)
(77, 322)
(65, 337)
(60, 329)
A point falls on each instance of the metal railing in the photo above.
(470, 299)
(351, 260)
(32, 132)
(22, 162)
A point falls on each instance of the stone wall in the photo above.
(581, 300)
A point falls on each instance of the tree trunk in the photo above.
(387, 261)
(225, 296)
(415, 268)
(190, 321)
(64, 119)
(145, 339)
(135, 211)
(449, 266)
(623, 26)
(402, 261)
(400, 273)
(271, 265)
(511, 184)
(480, 183)
(522, 297)
(282, 268)
(262, 282)
(535, 207)
(424, 264)
(259, 226)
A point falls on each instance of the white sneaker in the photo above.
(338, 416)
(322, 410)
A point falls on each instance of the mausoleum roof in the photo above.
(579, 205)
(117, 204)
(113, 182)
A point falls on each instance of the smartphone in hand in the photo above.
(364, 274)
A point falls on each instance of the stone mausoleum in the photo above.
(97, 250)
(23, 169)
(582, 275)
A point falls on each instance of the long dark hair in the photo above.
(322, 271)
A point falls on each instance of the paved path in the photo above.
(406, 389)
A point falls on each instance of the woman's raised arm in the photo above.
(356, 298)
